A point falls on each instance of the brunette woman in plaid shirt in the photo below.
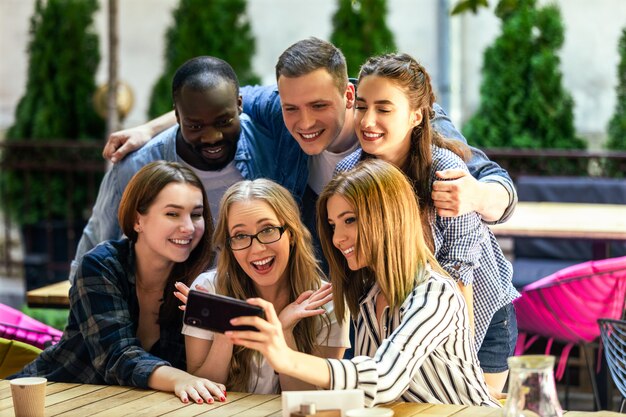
(124, 324)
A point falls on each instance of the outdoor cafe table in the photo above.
(100, 400)
(51, 296)
(601, 223)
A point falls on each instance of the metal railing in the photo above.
(560, 162)
(59, 181)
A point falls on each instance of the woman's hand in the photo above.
(308, 304)
(199, 390)
(269, 340)
(183, 293)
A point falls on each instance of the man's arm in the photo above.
(103, 224)
(459, 193)
(489, 190)
(261, 103)
(123, 142)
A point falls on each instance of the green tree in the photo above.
(523, 102)
(360, 31)
(218, 28)
(57, 105)
(617, 125)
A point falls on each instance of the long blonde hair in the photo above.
(302, 269)
(390, 238)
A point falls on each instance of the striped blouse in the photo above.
(419, 352)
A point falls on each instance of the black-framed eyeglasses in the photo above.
(268, 235)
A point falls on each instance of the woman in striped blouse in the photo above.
(413, 338)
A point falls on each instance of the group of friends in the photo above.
(351, 211)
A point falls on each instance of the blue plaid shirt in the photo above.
(99, 344)
(466, 248)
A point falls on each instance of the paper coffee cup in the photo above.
(29, 396)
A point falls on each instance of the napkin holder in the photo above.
(323, 400)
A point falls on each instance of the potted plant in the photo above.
(360, 31)
(52, 139)
(523, 102)
(218, 28)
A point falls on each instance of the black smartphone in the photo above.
(214, 312)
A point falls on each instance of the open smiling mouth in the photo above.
(263, 264)
(310, 137)
(371, 136)
(213, 152)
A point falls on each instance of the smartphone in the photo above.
(214, 312)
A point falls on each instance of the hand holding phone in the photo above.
(214, 312)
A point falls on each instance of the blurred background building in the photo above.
(589, 56)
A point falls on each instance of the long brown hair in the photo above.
(390, 237)
(412, 78)
(303, 270)
(140, 193)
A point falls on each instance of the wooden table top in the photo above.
(100, 400)
(53, 295)
(565, 220)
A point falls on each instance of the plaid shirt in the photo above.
(466, 248)
(99, 344)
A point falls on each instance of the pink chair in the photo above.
(566, 306)
(15, 325)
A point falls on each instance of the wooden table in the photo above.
(566, 220)
(51, 296)
(601, 223)
(99, 400)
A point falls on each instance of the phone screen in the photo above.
(214, 312)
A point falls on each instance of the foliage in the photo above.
(523, 103)
(205, 27)
(57, 105)
(617, 125)
(56, 318)
(463, 6)
(360, 31)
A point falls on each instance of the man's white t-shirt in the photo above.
(322, 167)
(263, 380)
(216, 183)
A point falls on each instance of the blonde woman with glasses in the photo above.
(266, 252)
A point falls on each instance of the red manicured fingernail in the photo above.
(222, 399)
(199, 401)
(210, 401)
(185, 400)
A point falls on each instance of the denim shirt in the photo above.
(259, 154)
(262, 104)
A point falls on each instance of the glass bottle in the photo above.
(532, 392)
